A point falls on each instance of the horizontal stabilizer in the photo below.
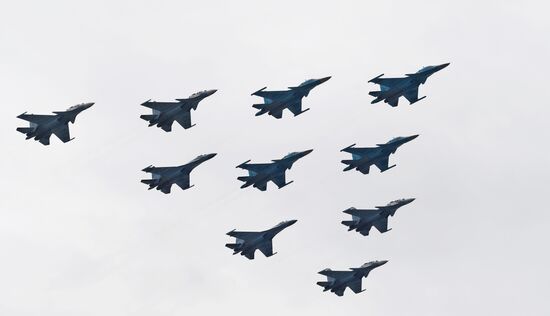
(258, 106)
(244, 179)
(25, 130)
(148, 181)
(262, 89)
(148, 117)
(231, 246)
(372, 80)
(348, 223)
(375, 93)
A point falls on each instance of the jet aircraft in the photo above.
(363, 220)
(391, 89)
(261, 173)
(247, 242)
(363, 158)
(164, 177)
(43, 126)
(276, 101)
(165, 113)
(338, 281)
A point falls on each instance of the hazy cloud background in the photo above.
(80, 235)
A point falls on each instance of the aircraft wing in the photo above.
(244, 236)
(387, 83)
(249, 254)
(36, 118)
(271, 95)
(296, 107)
(160, 106)
(381, 224)
(340, 291)
(184, 119)
(166, 188)
(355, 286)
(167, 126)
(362, 213)
(162, 170)
(267, 248)
(411, 95)
(63, 133)
(279, 180)
(255, 167)
(183, 183)
(382, 164)
(336, 274)
(277, 113)
(359, 151)
(364, 169)
(45, 140)
(393, 102)
(365, 230)
(262, 186)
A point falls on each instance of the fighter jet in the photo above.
(164, 177)
(276, 101)
(391, 89)
(261, 173)
(338, 281)
(363, 220)
(43, 126)
(247, 242)
(165, 113)
(363, 158)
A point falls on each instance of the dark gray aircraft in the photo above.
(338, 281)
(391, 89)
(363, 220)
(164, 177)
(276, 101)
(363, 158)
(165, 113)
(247, 242)
(43, 126)
(260, 173)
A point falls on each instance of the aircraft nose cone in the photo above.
(324, 79)
(307, 152)
(210, 156)
(382, 262)
(292, 222)
(412, 137)
(211, 92)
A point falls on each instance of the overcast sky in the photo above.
(80, 235)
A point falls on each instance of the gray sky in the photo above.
(80, 235)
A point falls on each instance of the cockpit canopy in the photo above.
(306, 82)
(75, 106)
(426, 68)
(290, 154)
(197, 94)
